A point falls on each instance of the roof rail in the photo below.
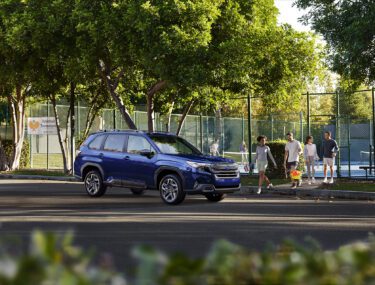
(116, 130)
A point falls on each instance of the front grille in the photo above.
(223, 171)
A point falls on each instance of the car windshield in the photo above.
(173, 145)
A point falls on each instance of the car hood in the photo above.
(200, 158)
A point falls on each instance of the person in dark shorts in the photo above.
(293, 150)
(262, 153)
(330, 148)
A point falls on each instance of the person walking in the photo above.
(262, 153)
(330, 149)
(311, 155)
(293, 150)
(214, 148)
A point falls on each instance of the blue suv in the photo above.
(138, 160)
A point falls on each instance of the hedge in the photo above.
(25, 153)
(278, 152)
(52, 259)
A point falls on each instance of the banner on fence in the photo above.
(41, 126)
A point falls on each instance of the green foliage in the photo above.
(348, 28)
(25, 153)
(278, 152)
(52, 259)
(353, 103)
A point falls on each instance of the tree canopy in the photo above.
(349, 29)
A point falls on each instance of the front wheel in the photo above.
(214, 197)
(94, 184)
(171, 191)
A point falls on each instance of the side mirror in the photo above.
(147, 153)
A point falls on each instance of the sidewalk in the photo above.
(314, 191)
(38, 177)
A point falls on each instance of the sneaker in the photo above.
(331, 181)
(299, 184)
(325, 180)
(309, 182)
(294, 186)
(259, 190)
(313, 180)
(270, 186)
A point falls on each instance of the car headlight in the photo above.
(197, 165)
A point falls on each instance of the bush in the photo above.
(278, 152)
(25, 153)
(53, 259)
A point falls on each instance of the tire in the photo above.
(171, 191)
(138, 192)
(94, 184)
(214, 197)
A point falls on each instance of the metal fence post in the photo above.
(249, 129)
(338, 132)
(114, 119)
(30, 143)
(308, 115)
(47, 136)
(301, 125)
(349, 158)
(243, 128)
(201, 125)
(373, 118)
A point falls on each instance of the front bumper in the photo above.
(210, 188)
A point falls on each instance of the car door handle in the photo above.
(126, 157)
(101, 154)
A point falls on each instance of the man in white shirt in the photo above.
(293, 150)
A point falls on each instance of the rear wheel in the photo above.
(214, 197)
(171, 191)
(138, 192)
(94, 184)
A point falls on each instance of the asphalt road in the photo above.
(119, 221)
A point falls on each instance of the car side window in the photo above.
(96, 143)
(137, 144)
(114, 143)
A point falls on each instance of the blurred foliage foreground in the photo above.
(52, 259)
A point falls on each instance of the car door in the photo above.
(141, 168)
(113, 156)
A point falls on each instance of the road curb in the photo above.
(314, 193)
(38, 177)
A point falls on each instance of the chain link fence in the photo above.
(354, 136)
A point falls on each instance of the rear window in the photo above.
(96, 143)
(115, 143)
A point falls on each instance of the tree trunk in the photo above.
(63, 151)
(218, 124)
(112, 86)
(183, 117)
(17, 107)
(168, 124)
(150, 103)
(66, 140)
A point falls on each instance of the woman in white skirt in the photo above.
(311, 155)
(262, 153)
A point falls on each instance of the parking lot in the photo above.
(119, 221)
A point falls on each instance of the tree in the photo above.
(103, 43)
(18, 66)
(168, 39)
(348, 28)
